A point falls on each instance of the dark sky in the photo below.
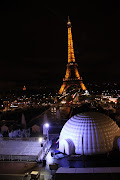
(33, 41)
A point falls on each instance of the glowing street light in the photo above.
(46, 125)
(46, 130)
(40, 139)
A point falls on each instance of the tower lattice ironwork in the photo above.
(72, 76)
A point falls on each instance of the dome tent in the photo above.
(89, 132)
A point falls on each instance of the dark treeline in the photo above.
(16, 115)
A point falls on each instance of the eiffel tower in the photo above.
(72, 76)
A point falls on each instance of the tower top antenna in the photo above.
(69, 23)
(68, 19)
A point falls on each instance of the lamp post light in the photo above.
(40, 139)
(46, 125)
(46, 130)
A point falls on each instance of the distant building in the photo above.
(110, 98)
(24, 88)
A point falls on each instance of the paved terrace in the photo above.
(22, 149)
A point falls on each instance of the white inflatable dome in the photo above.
(88, 133)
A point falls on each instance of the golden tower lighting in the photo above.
(72, 76)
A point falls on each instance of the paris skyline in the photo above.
(34, 42)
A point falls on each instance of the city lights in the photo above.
(50, 125)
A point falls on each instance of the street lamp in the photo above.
(46, 130)
(40, 139)
(47, 125)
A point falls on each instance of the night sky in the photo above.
(33, 41)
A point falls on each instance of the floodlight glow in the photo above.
(47, 125)
(40, 139)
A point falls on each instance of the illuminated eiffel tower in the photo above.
(72, 76)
